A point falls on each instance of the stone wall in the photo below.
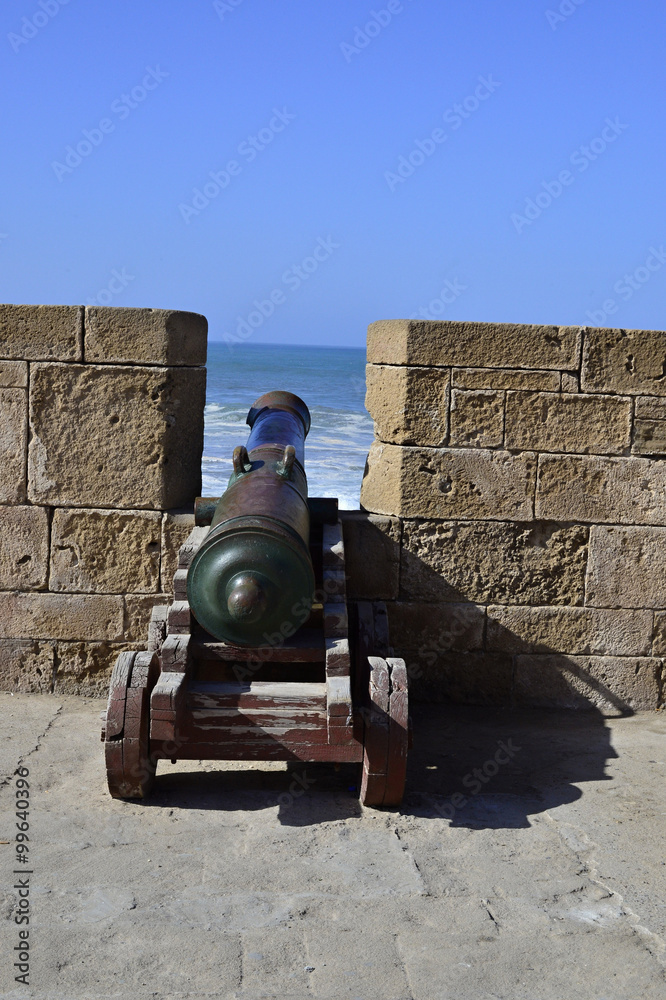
(101, 434)
(518, 490)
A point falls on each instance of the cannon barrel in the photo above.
(252, 578)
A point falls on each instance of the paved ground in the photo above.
(542, 876)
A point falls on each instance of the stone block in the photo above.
(24, 548)
(649, 437)
(408, 405)
(107, 436)
(568, 422)
(86, 667)
(627, 567)
(26, 665)
(505, 378)
(41, 333)
(477, 418)
(448, 483)
(650, 426)
(472, 345)
(60, 616)
(13, 374)
(461, 678)
(138, 609)
(626, 361)
(659, 638)
(569, 630)
(611, 684)
(493, 562)
(435, 627)
(105, 551)
(601, 490)
(650, 408)
(372, 555)
(144, 336)
(570, 382)
(176, 526)
(13, 444)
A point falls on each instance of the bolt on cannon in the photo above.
(259, 657)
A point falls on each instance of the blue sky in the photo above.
(338, 182)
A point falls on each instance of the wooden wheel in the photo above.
(130, 770)
(386, 733)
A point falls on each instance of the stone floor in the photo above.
(541, 876)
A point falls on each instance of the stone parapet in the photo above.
(101, 434)
(524, 467)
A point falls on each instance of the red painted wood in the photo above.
(373, 787)
(337, 657)
(235, 750)
(267, 695)
(306, 646)
(376, 731)
(162, 729)
(244, 730)
(398, 734)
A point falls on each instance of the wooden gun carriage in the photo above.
(319, 686)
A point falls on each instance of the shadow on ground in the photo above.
(481, 768)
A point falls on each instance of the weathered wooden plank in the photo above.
(120, 675)
(337, 658)
(146, 670)
(376, 720)
(196, 730)
(338, 696)
(115, 708)
(190, 546)
(258, 717)
(365, 628)
(169, 693)
(236, 750)
(157, 627)
(180, 585)
(336, 624)
(134, 704)
(339, 709)
(179, 619)
(113, 757)
(162, 729)
(373, 787)
(306, 646)
(266, 695)
(398, 740)
(175, 655)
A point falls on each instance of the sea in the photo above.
(331, 381)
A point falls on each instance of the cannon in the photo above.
(253, 571)
(260, 656)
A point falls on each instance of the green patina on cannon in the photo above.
(260, 656)
(253, 572)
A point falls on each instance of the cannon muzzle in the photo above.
(251, 580)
